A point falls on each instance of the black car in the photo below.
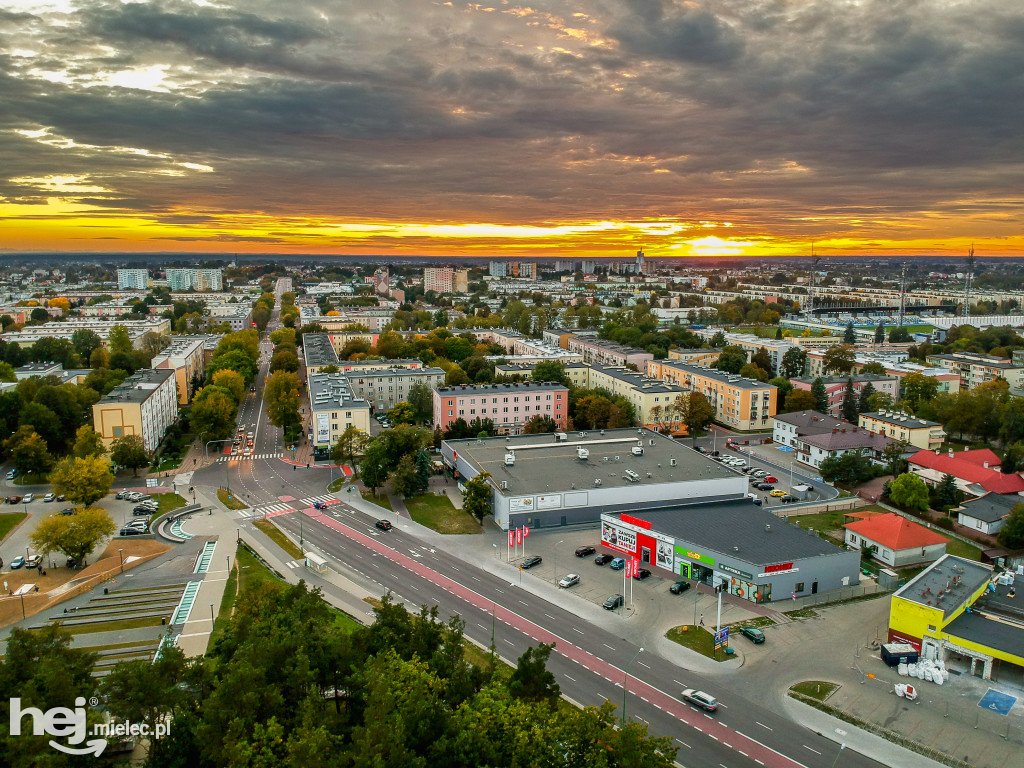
(679, 587)
(129, 531)
(142, 511)
(765, 487)
(384, 525)
(531, 561)
(585, 551)
(603, 559)
(641, 574)
(614, 602)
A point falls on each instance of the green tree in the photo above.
(421, 398)
(119, 341)
(403, 478)
(29, 453)
(7, 372)
(284, 360)
(531, 680)
(899, 335)
(849, 336)
(864, 401)
(880, 333)
(83, 481)
(129, 452)
(1011, 535)
(820, 395)
(718, 341)
(1013, 458)
(351, 443)
(477, 498)
(849, 408)
(793, 363)
(550, 370)
(46, 423)
(799, 400)
(851, 468)
(838, 359)
(763, 360)
(232, 381)
(455, 377)
(946, 494)
(699, 413)
(213, 414)
(731, 359)
(424, 469)
(892, 454)
(539, 424)
(281, 395)
(908, 491)
(918, 388)
(751, 371)
(88, 443)
(874, 367)
(879, 401)
(75, 535)
(402, 413)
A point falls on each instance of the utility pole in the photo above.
(809, 304)
(967, 283)
(903, 295)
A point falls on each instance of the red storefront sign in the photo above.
(629, 519)
(778, 567)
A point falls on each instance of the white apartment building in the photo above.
(198, 279)
(132, 279)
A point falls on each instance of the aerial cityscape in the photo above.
(630, 384)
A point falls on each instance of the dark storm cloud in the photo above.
(771, 109)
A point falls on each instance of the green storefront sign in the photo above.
(683, 552)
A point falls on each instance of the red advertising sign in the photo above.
(778, 567)
(526, 531)
(635, 521)
(519, 535)
(511, 536)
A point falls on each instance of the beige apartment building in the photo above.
(706, 357)
(145, 404)
(928, 435)
(739, 403)
(187, 358)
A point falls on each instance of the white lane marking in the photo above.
(684, 743)
(508, 641)
(578, 630)
(550, 616)
(607, 646)
(642, 664)
(764, 726)
(812, 750)
(569, 678)
(678, 683)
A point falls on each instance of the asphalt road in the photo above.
(588, 662)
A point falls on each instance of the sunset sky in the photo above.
(690, 128)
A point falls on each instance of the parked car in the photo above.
(614, 602)
(33, 561)
(755, 636)
(51, 496)
(776, 493)
(29, 498)
(120, 494)
(788, 499)
(602, 559)
(679, 587)
(530, 562)
(14, 499)
(384, 525)
(765, 487)
(760, 473)
(142, 511)
(585, 551)
(618, 564)
(641, 574)
(17, 562)
(569, 581)
(771, 479)
(130, 531)
(700, 699)
(68, 511)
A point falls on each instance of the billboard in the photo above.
(549, 502)
(521, 504)
(323, 428)
(618, 537)
(664, 554)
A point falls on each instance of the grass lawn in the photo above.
(116, 626)
(115, 646)
(8, 521)
(963, 549)
(31, 479)
(826, 521)
(380, 501)
(758, 622)
(816, 689)
(337, 484)
(438, 513)
(169, 502)
(802, 613)
(277, 536)
(696, 639)
(231, 502)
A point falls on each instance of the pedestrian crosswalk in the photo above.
(270, 510)
(255, 456)
(296, 564)
(326, 499)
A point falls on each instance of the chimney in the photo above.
(937, 451)
(985, 464)
(951, 453)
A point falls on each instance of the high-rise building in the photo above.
(589, 266)
(445, 280)
(497, 269)
(381, 281)
(206, 280)
(640, 262)
(133, 278)
(565, 266)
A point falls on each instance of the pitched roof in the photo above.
(810, 422)
(990, 507)
(895, 532)
(970, 467)
(846, 439)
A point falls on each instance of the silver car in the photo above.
(570, 581)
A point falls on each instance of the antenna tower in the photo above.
(903, 295)
(809, 304)
(967, 283)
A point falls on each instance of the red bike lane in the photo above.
(707, 725)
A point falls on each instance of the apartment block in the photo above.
(975, 369)
(133, 279)
(751, 344)
(509, 406)
(145, 404)
(578, 373)
(924, 434)
(194, 279)
(601, 352)
(739, 403)
(186, 356)
(445, 280)
(318, 353)
(835, 387)
(706, 357)
(383, 388)
(333, 407)
(66, 329)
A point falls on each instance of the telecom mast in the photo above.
(903, 295)
(967, 283)
(809, 304)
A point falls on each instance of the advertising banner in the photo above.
(721, 638)
(323, 428)
(663, 556)
(521, 504)
(617, 537)
(549, 502)
(693, 555)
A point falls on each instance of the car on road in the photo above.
(384, 525)
(755, 636)
(679, 587)
(11, 474)
(17, 562)
(602, 559)
(585, 551)
(29, 498)
(570, 580)
(618, 564)
(33, 561)
(319, 505)
(614, 602)
(530, 562)
(641, 574)
(51, 496)
(700, 699)
(247, 451)
(778, 494)
(771, 479)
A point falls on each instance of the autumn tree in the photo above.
(29, 452)
(699, 413)
(129, 452)
(799, 400)
(213, 414)
(232, 381)
(351, 443)
(281, 395)
(75, 535)
(83, 481)
(838, 359)
(477, 498)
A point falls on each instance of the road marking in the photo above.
(481, 626)
(508, 641)
(684, 743)
(474, 578)
(678, 683)
(569, 678)
(607, 646)
(523, 602)
(578, 630)
(642, 664)
(812, 750)
(550, 616)
(764, 726)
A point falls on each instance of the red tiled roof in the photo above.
(970, 466)
(895, 532)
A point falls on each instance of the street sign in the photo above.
(721, 638)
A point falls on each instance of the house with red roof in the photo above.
(976, 472)
(896, 541)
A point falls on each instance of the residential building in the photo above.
(383, 388)
(652, 398)
(976, 472)
(739, 403)
(577, 372)
(921, 433)
(445, 280)
(705, 356)
(319, 353)
(835, 387)
(333, 407)
(751, 344)
(179, 279)
(987, 513)
(601, 352)
(186, 356)
(895, 541)
(497, 269)
(65, 330)
(133, 279)
(41, 370)
(381, 282)
(975, 369)
(144, 404)
(559, 337)
(509, 406)
(816, 436)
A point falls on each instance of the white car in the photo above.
(51, 496)
(28, 497)
(570, 581)
(700, 699)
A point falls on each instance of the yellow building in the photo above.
(701, 356)
(927, 435)
(186, 356)
(145, 404)
(739, 403)
(956, 610)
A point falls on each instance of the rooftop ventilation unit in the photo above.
(672, 462)
(604, 458)
(504, 485)
(631, 476)
(582, 453)
(637, 450)
(510, 459)
(651, 442)
(597, 482)
(617, 457)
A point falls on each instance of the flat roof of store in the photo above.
(987, 632)
(924, 588)
(544, 464)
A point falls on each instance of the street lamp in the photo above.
(625, 679)
(562, 541)
(211, 616)
(841, 748)
(121, 555)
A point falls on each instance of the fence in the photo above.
(816, 508)
(832, 596)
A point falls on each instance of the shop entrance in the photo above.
(701, 574)
(645, 555)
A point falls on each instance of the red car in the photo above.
(771, 479)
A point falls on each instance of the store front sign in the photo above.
(618, 537)
(695, 555)
(779, 568)
(735, 571)
(777, 573)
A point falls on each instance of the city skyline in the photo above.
(557, 129)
